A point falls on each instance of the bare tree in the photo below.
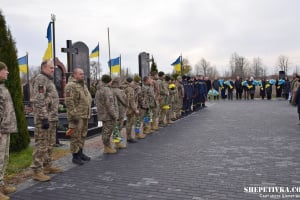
(283, 63)
(202, 67)
(212, 72)
(238, 65)
(257, 67)
(197, 68)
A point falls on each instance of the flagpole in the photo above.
(53, 34)
(120, 67)
(28, 75)
(98, 62)
(181, 64)
(53, 45)
(109, 52)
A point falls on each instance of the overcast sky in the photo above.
(210, 29)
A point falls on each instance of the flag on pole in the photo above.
(115, 65)
(95, 52)
(177, 64)
(48, 52)
(23, 64)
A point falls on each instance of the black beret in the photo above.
(129, 79)
(105, 78)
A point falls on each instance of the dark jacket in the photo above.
(297, 99)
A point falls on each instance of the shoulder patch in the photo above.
(68, 93)
(41, 89)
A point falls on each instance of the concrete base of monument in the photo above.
(94, 127)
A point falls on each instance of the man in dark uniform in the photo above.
(238, 88)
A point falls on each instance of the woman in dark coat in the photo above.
(286, 88)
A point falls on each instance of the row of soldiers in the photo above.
(147, 104)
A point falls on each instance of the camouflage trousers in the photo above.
(44, 142)
(155, 112)
(4, 155)
(130, 122)
(162, 115)
(78, 135)
(179, 107)
(145, 126)
(107, 130)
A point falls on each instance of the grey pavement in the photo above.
(229, 150)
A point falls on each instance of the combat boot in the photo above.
(140, 136)
(120, 145)
(162, 124)
(170, 122)
(3, 197)
(40, 176)
(147, 130)
(7, 189)
(131, 140)
(109, 150)
(76, 159)
(83, 157)
(51, 170)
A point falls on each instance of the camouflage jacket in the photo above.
(8, 122)
(78, 100)
(107, 105)
(44, 98)
(155, 86)
(131, 98)
(137, 93)
(163, 88)
(180, 89)
(121, 99)
(147, 100)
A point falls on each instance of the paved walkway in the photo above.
(228, 151)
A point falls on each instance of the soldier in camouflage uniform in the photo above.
(122, 106)
(78, 101)
(164, 95)
(156, 109)
(171, 99)
(8, 125)
(107, 110)
(137, 92)
(45, 102)
(146, 103)
(174, 102)
(132, 110)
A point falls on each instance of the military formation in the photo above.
(137, 105)
(140, 106)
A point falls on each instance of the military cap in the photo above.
(160, 74)
(167, 78)
(105, 78)
(2, 65)
(129, 79)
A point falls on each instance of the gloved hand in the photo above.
(45, 124)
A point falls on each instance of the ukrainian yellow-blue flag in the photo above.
(23, 64)
(95, 52)
(115, 66)
(48, 52)
(177, 64)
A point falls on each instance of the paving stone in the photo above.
(208, 155)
